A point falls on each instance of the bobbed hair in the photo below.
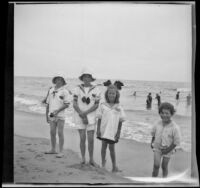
(166, 106)
(117, 94)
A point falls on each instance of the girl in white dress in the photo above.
(110, 117)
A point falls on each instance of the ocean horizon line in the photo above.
(108, 79)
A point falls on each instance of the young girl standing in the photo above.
(165, 137)
(110, 117)
(85, 102)
(58, 99)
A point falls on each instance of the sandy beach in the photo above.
(31, 165)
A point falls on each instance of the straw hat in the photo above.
(84, 71)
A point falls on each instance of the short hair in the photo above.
(117, 94)
(167, 106)
(54, 80)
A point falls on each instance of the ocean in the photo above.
(30, 91)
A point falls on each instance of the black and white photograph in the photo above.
(104, 94)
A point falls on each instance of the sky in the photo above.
(116, 40)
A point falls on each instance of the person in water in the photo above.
(110, 117)
(158, 99)
(149, 101)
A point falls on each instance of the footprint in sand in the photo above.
(68, 173)
(20, 151)
(23, 158)
(49, 171)
(31, 150)
(45, 143)
(28, 144)
(39, 157)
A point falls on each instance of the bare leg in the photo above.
(165, 162)
(90, 135)
(60, 125)
(113, 157)
(82, 135)
(156, 165)
(53, 136)
(103, 153)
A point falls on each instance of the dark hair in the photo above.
(81, 77)
(167, 106)
(117, 94)
(118, 84)
(107, 83)
(54, 80)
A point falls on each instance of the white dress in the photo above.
(110, 118)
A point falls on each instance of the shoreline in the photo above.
(130, 154)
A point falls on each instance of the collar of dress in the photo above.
(83, 88)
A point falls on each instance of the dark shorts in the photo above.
(107, 140)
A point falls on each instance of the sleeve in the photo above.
(48, 96)
(67, 97)
(97, 95)
(177, 136)
(122, 117)
(75, 93)
(99, 112)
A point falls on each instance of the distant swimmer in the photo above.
(158, 99)
(149, 101)
(134, 94)
(189, 97)
(177, 95)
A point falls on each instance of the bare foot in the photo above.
(92, 163)
(116, 169)
(104, 163)
(60, 155)
(51, 152)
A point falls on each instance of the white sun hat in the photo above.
(86, 70)
(59, 74)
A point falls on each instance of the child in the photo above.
(57, 100)
(110, 117)
(166, 136)
(85, 103)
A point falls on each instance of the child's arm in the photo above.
(98, 128)
(117, 136)
(47, 112)
(168, 149)
(65, 105)
(93, 108)
(76, 107)
(152, 140)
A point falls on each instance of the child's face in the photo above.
(112, 95)
(58, 81)
(165, 115)
(87, 78)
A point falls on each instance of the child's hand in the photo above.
(85, 120)
(82, 114)
(55, 112)
(164, 151)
